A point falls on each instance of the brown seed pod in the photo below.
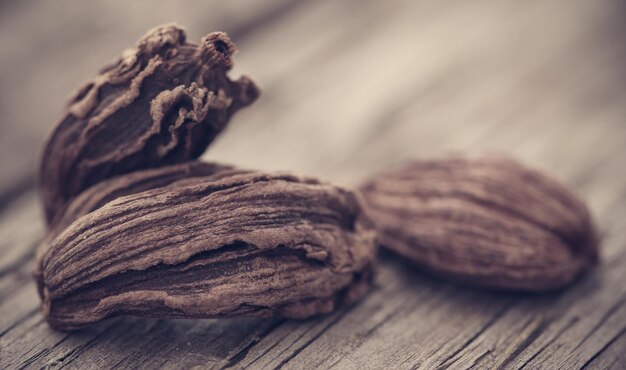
(161, 103)
(136, 182)
(132, 183)
(489, 222)
(252, 244)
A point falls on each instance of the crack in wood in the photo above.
(447, 361)
(314, 338)
(260, 356)
(292, 343)
(480, 359)
(370, 331)
(601, 322)
(20, 320)
(74, 353)
(549, 343)
(241, 354)
(604, 348)
(534, 328)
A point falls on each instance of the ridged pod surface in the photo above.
(490, 222)
(161, 103)
(249, 243)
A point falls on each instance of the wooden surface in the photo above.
(349, 87)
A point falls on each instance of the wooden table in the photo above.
(349, 88)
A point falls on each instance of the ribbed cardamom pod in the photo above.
(135, 182)
(249, 243)
(132, 183)
(161, 103)
(490, 222)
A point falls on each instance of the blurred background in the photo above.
(348, 86)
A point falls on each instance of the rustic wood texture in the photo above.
(349, 87)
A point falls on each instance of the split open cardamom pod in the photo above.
(161, 103)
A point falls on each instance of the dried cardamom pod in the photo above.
(136, 182)
(161, 103)
(490, 222)
(251, 244)
(132, 183)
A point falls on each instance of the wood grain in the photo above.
(348, 90)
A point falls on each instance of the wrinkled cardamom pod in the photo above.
(132, 183)
(490, 222)
(161, 103)
(135, 182)
(249, 243)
